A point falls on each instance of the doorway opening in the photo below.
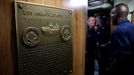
(97, 37)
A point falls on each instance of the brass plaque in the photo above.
(44, 39)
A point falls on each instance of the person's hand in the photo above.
(106, 44)
(111, 64)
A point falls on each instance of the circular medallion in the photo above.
(66, 33)
(31, 36)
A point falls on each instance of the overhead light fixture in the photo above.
(78, 3)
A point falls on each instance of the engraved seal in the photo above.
(66, 33)
(31, 36)
(51, 30)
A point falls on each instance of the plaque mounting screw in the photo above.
(70, 11)
(20, 5)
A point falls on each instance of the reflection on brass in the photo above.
(31, 36)
(43, 39)
(66, 33)
(51, 30)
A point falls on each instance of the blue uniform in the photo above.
(90, 48)
(95, 38)
(122, 48)
(102, 38)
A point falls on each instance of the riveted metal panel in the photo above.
(43, 39)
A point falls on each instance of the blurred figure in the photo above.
(90, 46)
(102, 42)
(96, 47)
(122, 42)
